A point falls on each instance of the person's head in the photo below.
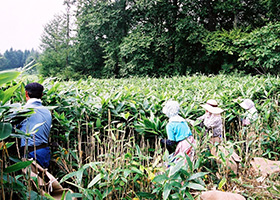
(247, 104)
(34, 90)
(211, 106)
(171, 108)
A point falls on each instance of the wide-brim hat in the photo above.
(247, 104)
(212, 107)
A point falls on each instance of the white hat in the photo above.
(171, 108)
(212, 107)
(247, 104)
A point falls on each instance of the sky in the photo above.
(22, 22)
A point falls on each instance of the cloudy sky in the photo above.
(22, 22)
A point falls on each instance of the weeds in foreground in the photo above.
(108, 132)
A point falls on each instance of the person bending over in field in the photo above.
(37, 145)
(178, 132)
(248, 124)
(211, 120)
(251, 114)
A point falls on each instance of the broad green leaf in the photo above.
(8, 76)
(64, 178)
(33, 195)
(74, 195)
(166, 191)
(190, 164)
(9, 93)
(190, 197)
(197, 175)
(95, 180)
(36, 126)
(176, 167)
(98, 123)
(17, 166)
(127, 115)
(5, 130)
(79, 175)
(126, 172)
(68, 196)
(134, 169)
(160, 179)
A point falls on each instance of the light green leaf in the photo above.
(67, 176)
(9, 93)
(8, 76)
(166, 191)
(197, 175)
(160, 179)
(48, 196)
(95, 180)
(134, 169)
(190, 197)
(98, 123)
(222, 183)
(195, 186)
(177, 167)
(8, 145)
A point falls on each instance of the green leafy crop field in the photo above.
(108, 132)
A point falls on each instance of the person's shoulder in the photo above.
(218, 116)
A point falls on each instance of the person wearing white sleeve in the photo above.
(211, 120)
(251, 114)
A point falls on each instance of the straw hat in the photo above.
(247, 104)
(212, 107)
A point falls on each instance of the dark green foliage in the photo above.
(16, 58)
(260, 49)
(256, 51)
(156, 38)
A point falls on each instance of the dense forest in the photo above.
(13, 59)
(124, 38)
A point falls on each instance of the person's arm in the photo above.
(192, 122)
(201, 118)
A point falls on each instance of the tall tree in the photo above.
(56, 44)
(14, 58)
(101, 27)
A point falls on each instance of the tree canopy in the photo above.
(12, 59)
(125, 38)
